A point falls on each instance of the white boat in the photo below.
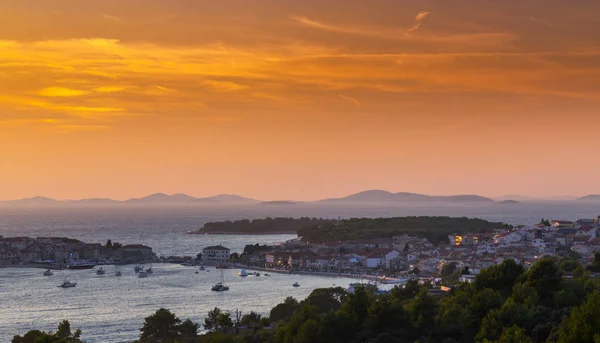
(118, 273)
(142, 274)
(67, 284)
(80, 264)
(296, 284)
(48, 273)
(219, 287)
(100, 271)
(243, 273)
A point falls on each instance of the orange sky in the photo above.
(298, 99)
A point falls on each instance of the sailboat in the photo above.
(219, 287)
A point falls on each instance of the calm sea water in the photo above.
(111, 309)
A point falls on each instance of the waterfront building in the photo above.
(216, 254)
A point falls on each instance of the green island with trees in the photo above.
(262, 226)
(505, 304)
(435, 229)
(315, 230)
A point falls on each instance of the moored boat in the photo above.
(80, 264)
(220, 287)
(67, 284)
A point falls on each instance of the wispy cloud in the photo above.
(110, 17)
(61, 92)
(224, 86)
(421, 15)
(539, 21)
(350, 99)
(419, 18)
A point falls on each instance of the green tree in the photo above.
(63, 335)
(224, 321)
(546, 279)
(583, 323)
(211, 322)
(188, 329)
(500, 277)
(514, 334)
(308, 332)
(161, 326)
(284, 310)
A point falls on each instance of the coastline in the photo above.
(243, 233)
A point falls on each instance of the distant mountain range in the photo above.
(366, 197)
(379, 196)
(153, 199)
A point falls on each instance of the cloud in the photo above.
(419, 18)
(350, 99)
(108, 89)
(61, 92)
(421, 15)
(110, 17)
(74, 127)
(539, 21)
(224, 86)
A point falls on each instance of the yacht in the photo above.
(80, 264)
(67, 284)
(243, 272)
(100, 271)
(142, 274)
(219, 287)
(48, 273)
(296, 284)
(118, 273)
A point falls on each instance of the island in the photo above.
(261, 226)
(509, 202)
(435, 229)
(277, 202)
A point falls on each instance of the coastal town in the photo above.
(390, 258)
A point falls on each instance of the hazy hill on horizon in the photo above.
(381, 196)
(152, 199)
(364, 197)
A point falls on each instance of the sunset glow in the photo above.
(298, 99)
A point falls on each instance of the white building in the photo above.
(216, 253)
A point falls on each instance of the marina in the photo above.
(29, 297)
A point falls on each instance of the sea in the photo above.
(111, 309)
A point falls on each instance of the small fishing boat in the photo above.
(100, 271)
(67, 284)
